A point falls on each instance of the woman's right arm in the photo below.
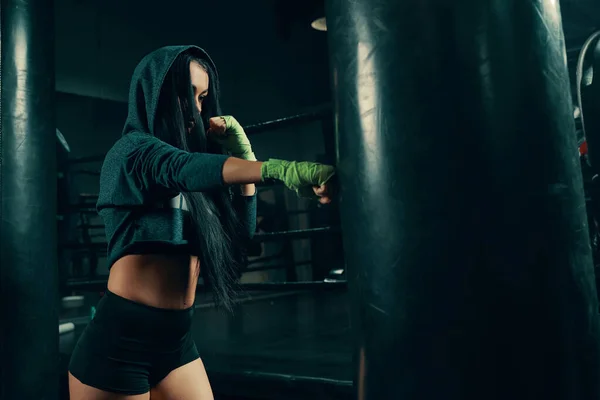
(152, 162)
(238, 171)
(156, 163)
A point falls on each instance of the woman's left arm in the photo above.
(229, 133)
(248, 190)
(245, 207)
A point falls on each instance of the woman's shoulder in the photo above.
(119, 176)
(131, 140)
(119, 152)
(128, 144)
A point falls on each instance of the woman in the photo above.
(177, 197)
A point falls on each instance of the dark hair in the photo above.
(213, 217)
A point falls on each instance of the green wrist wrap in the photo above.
(235, 141)
(297, 176)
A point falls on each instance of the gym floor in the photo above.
(288, 345)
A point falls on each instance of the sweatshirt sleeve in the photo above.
(153, 162)
(245, 207)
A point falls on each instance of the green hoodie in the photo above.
(142, 174)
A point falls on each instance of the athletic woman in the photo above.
(178, 200)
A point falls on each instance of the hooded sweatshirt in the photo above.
(142, 177)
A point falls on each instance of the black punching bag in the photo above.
(462, 204)
(28, 271)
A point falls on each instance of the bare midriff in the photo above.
(161, 281)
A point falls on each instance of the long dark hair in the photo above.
(212, 214)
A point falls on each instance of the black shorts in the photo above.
(129, 347)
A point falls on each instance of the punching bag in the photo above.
(28, 271)
(462, 205)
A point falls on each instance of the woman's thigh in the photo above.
(188, 382)
(80, 391)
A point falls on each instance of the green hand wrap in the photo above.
(235, 140)
(298, 176)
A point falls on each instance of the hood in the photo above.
(146, 82)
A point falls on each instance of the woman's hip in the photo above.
(128, 346)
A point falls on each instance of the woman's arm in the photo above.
(226, 131)
(292, 174)
(151, 162)
(245, 209)
(246, 173)
(248, 190)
